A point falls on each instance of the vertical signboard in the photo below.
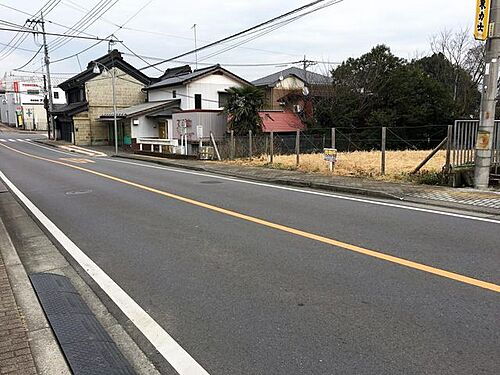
(482, 21)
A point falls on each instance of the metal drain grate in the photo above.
(87, 346)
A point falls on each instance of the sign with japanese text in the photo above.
(481, 25)
(330, 155)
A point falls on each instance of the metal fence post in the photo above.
(271, 147)
(447, 166)
(231, 146)
(384, 138)
(333, 138)
(297, 147)
(250, 146)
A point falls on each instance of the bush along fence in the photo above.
(428, 140)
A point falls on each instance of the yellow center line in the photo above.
(283, 228)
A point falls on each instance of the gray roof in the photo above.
(182, 79)
(143, 109)
(310, 78)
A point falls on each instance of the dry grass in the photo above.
(358, 164)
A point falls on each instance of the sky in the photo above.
(347, 29)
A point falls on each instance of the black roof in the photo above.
(308, 77)
(113, 58)
(182, 79)
(70, 109)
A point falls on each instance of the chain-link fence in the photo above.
(344, 140)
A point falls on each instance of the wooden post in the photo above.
(382, 163)
(297, 147)
(250, 145)
(333, 137)
(447, 166)
(215, 146)
(271, 147)
(231, 146)
(430, 156)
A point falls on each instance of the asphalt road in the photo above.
(245, 298)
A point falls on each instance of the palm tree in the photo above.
(242, 107)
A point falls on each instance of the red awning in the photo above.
(280, 121)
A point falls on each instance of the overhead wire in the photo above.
(19, 38)
(84, 23)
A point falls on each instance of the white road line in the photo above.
(3, 140)
(21, 140)
(178, 358)
(53, 149)
(328, 195)
(11, 140)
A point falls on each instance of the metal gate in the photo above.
(463, 143)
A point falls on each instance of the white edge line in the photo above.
(361, 200)
(178, 358)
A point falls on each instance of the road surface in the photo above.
(256, 279)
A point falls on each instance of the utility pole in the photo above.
(46, 104)
(50, 125)
(488, 101)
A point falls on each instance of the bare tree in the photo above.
(462, 51)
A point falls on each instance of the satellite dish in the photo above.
(281, 78)
(305, 91)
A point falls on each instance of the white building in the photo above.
(21, 102)
(182, 104)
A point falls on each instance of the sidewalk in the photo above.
(15, 351)
(486, 202)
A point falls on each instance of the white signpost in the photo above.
(330, 155)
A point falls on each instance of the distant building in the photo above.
(286, 89)
(22, 104)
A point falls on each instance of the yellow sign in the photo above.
(483, 140)
(482, 22)
(330, 154)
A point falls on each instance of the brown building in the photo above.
(89, 95)
(287, 88)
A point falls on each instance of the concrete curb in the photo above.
(320, 186)
(44, 347)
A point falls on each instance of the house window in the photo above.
(174, 94)
(223, 97)
(197, 101)
(56, 95)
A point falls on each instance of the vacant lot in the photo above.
(359, 164)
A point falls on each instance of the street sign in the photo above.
(482, 21)
(330, 155)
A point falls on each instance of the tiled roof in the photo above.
(309, 77)
(143, 109)
(182, 79)
(280, 121)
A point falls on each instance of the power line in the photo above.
(95, 44)
(36, 32)
(241, 33)
(85, 22)
(46, 20)
(19, 38)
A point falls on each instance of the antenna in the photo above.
(195, 46)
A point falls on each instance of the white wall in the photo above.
(166, 93)
(209, 88)
(146, 128)
(290, 83)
